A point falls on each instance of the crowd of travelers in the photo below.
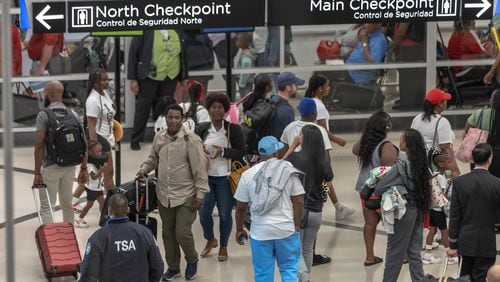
(286, 173)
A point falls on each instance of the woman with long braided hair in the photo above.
(411, 177)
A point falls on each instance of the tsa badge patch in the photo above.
(87, 249)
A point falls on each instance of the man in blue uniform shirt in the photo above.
(121, 250)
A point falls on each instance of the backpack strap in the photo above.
(52, 118)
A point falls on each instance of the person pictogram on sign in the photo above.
(446, 6)
(82, 14)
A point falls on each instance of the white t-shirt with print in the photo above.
(102, 108)
(93, 184)
(427, 128)
(278, 223)
(293, 129)
(218, 166)
(201, 114)
(322, 112)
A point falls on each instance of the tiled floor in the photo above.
(341, 240)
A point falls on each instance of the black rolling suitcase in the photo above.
(142, 200)
(143, 203)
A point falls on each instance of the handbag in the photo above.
(371, 203)
(236, 167)
(473, 137)
(434, 150)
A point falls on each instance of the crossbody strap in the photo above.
(436, 131)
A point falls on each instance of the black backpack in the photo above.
(260, 117)
(65, 138)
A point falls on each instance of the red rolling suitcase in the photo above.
(57, 245)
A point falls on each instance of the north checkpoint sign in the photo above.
(313, 12)
(143, 15)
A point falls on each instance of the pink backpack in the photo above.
(233, 115)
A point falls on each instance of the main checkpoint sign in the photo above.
(312, 12)
(96, 16)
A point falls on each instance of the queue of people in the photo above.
(193, 169)
(193, 151)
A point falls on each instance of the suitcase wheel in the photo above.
(75, 275)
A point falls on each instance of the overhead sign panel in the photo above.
(49, 17)
(142, 15)
(311, 12)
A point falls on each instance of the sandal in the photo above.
(377, 260)
(208, 247)
(222, 254)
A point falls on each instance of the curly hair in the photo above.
(375, 131)
(315, 82)
(217, 97)
(417, 155)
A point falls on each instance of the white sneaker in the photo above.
(342, 212)
(452, 260)
(81, 223)
(428, 258)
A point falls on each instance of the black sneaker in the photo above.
(170, 274)
(321, 259)
(135, 146)
(191, 270)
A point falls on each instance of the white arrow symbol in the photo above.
(485, 6)
(41, 17)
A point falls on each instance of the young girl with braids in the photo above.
(97, 162)
(412, 178)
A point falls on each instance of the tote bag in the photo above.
(473, 137)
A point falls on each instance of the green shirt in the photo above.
(166, 59)
(473, 120)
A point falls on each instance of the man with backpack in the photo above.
(284, 112)
(60, 145)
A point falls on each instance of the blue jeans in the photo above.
(285, 251)
(220, 194)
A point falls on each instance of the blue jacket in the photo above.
(122, 251)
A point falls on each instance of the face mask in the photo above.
(98, 161)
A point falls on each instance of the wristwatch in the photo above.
(365, 44)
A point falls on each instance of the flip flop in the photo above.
(222, 254)
(376, 261)
(208, 247)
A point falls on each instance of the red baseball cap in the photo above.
(436, 96)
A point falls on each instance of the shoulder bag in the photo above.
(474, 136)
(434, 149)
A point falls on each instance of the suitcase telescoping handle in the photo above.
(139, 202)
(38, 201)
(446, 266)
